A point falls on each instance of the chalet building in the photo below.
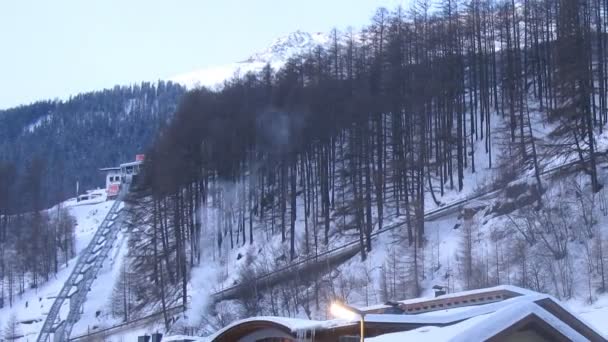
(502, 313)
(118, 176)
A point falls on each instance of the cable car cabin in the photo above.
(124, 174)
(130, 171)
(112, 181)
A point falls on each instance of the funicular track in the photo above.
(78, 284)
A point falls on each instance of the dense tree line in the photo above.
(45, 148)
(78, 136)
(33, 244)
(377, 124)
(559, 248)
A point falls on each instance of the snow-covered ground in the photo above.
(32, 306)
(217, 270)
(97, 308)
(440, 257)
(595, 314)
(215, 274)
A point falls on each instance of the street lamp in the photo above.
(344, 311)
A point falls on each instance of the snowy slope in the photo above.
(440, 256)
(32, 307)
(97, 309)
(444, 242)
(90, 214)
(218, 270)
(276, 55)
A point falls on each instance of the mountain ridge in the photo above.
(275, 55)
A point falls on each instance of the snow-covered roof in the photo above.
(133, 163)
(114, 168)
(484, 327)
(438, 317)
(508, 288)
(448, 316)
(478, 319)
(117, 168)
(504, 289)
(291, 324)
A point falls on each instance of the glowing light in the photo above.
(340, 311)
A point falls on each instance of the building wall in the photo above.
(526, 336)
(269, 334)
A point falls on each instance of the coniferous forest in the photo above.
(379, 124)
(68, 141)
(45, 149)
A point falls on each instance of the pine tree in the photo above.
(12, 331)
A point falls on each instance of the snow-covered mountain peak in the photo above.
(276, 54)
(284, 47)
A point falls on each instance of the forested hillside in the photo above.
(67, 141)
(377, 126)
(286, 188)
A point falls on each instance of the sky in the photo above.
(54, 49)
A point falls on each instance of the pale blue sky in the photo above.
(55, 48)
